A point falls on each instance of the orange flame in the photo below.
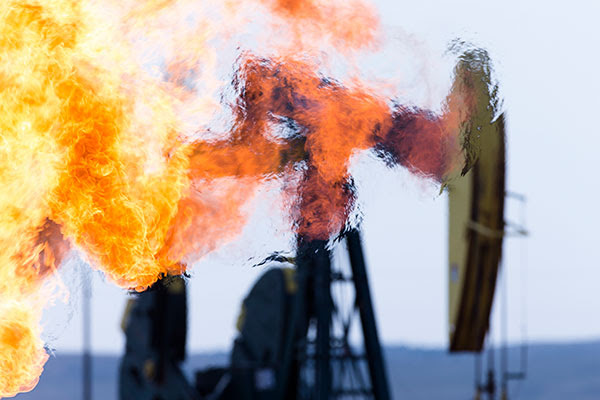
(23, 354)
(102, 152)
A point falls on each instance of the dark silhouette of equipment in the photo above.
(155, 324)
(295, 333)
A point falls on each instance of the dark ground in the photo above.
(555, 372)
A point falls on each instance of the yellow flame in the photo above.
(88, 142)
(94, 152)
(23, 354)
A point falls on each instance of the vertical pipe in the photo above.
(504, 333)
(367, 317)
(478, 376)
(322, 273)
(491, 373)
(87, 336)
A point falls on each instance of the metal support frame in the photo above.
(375, 359)
(326, 364)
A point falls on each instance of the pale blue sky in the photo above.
(547, 62)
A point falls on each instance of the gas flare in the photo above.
(108, 146)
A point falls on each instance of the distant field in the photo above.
(556, 372)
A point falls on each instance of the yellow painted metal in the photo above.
(476, 226)
(459, 198)
(476, 223)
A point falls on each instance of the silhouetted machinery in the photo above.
(294, 328)
(293, 343)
